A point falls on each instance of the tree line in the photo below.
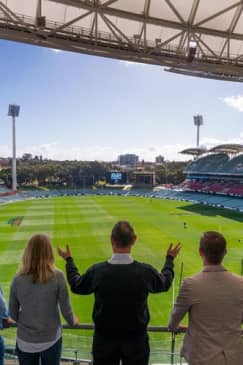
(36, 171)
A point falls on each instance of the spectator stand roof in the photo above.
(230, 149)
(193, 37)
(194, 151)
(227, 148)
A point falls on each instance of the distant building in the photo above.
(159, 160)
(128, 159)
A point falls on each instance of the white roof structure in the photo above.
(227, 148)
(194, 37)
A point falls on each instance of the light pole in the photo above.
(13, 111)
(198, 121)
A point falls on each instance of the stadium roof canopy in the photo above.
(194, 151)
(228, 148)
(194, 37)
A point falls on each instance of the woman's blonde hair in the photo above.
(38, 259)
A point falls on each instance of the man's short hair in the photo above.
(213, 245)
(123, 234)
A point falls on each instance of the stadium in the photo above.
(210, 197)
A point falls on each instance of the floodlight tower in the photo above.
(198, 121)
(13, 111)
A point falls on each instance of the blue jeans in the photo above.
(1, 351)
(51, 356)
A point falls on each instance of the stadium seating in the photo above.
(234, 166)
(208, 163)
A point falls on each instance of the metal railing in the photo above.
(169, 356)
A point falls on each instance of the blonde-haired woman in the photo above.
(37, 292)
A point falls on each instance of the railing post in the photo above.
(76, 361)
(173, 337)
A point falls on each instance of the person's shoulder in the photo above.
(144, 266)
(190, 280)
(196, 276)
(99, 265)
(18, 278)
(59, 274)
(235, 277)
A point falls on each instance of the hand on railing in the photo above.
(7, 322)
(180, 329)
(75, 320)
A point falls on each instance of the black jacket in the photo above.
(121, 293)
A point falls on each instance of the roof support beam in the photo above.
(9, 13)
(205, 45)
(63, 26)
(109, 2)
(94, 23)
(169, 40)
(5, 12)
(12, 16)
(193, 11)
(111, 25)
(221, 12)
(232, 26)
(197, 40)
(147, 4)
(39, 8)
(152, 20)
(175, 11)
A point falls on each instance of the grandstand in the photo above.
(217, 171)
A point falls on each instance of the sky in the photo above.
(81, 107)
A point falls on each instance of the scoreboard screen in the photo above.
(116, 177)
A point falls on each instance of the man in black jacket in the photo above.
(121, 286)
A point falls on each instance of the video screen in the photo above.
(116, 177)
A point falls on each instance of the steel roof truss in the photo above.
(193, 12)
(199, 40)
(152, 20)
(9, 13)
(175, 11)
(65, 25)
(109, 2)
(114, 28)
(221, 12)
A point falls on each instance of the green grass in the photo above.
(85, 223)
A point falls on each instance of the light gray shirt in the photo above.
(121, 259)
(38, 347)
(36, 307)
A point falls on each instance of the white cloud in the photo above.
(102, 153)
(211, 142)
(57, 151)
(5, 151)
(234, 102)
(170, 152)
